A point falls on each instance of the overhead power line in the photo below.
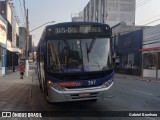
(152, 22)
(150, 18)
(142, 3)
(152, 42)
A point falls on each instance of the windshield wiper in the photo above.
(90, 47)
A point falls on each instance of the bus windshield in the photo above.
(78, 55)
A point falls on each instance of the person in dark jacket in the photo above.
(21, 69)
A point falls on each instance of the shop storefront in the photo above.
(151, 62)
(151, 52)
(3, 39)
(127, 53)
(12, 58)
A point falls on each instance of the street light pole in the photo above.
(27, 39)
(41, 26)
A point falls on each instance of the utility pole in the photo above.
(27, 39)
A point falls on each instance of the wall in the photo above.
(120, 10)
(151, 52)
(3, 40)
(22, 37)
(151, 37)
(110, 12)
(128, 51)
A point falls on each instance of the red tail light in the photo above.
(67, 84)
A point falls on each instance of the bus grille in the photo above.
(95, 95)
(84, 76)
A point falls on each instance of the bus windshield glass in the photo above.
(78, 55)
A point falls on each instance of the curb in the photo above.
(136, 78)
(32, 74)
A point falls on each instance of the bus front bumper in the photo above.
(77, 94)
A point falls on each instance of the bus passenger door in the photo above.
(42, 78)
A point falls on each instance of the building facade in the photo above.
(151, 52)
(3, 41)
(110, 12)
(7, 11)
(77, 17)
(128, 52)
(126, 43)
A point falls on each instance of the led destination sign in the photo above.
(77, 29)
(81, 29)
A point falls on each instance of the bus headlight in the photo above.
(108, 83)
(55, 86)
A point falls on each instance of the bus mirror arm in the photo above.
(91, 45)
(43, 66)
(87, 52)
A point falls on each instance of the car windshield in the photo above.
(77, 55)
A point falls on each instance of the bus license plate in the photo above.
(84, 94)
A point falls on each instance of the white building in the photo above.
(13, 42)
(110, 12)
(10, 47)
(151, 52)
(78, 17)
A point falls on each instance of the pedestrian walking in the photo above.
(21, 69)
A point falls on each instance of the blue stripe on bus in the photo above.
(85, 82)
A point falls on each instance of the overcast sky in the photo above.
(147, 12)
(42, 11)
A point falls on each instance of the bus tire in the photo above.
(93, 100)
(48, 101)
(45, 87)
(39, 79)
(40, 85)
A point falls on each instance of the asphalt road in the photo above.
(125, 95)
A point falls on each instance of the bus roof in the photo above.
(78, 23)
(63, 30)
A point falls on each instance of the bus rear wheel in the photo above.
(40, 85)
(48, 100)
(93, 100)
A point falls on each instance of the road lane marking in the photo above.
(150, 118)
(143, 92)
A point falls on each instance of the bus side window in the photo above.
(50, 61)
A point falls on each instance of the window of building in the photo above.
(0, 58)
(126, 7)
(116, 40)
(158, 60)
(92, 10)
(150, 61)
(113, 6)
(124, 61)
(131, 60)
(103, 10)
(96, 15)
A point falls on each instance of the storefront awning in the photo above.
(149, 49)
(12, 49)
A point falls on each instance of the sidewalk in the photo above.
(16, 75)
(15, 92)
(131, 77)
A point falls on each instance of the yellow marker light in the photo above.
(49, 82)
